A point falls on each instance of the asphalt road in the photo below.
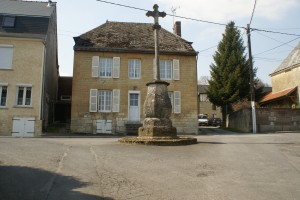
(219, 167)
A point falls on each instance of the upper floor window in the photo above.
(24, 96)
(165, 69)
(6, 56)
(134, 68)
(204, 98)
(8, 21)
(105, 67)
(3, 95)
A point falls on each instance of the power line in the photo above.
(277, 46)
(207, 48)
(272, 38)
(198, 20)
(122, 5)
(253, 12)
(282, 33)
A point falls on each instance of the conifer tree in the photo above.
(229, 72)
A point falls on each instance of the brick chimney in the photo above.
(177, 28)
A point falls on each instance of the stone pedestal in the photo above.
(157, 111)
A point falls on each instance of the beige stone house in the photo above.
(113, 63)
(285, 83)
(28, 66)
(205, 106)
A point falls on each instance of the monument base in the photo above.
(155, 127)
(159, 141)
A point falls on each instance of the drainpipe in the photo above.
(43, 85)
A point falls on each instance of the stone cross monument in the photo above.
(157, 106)
(157, 127)
(156, 14)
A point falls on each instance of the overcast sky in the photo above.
(76, 17)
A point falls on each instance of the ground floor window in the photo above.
(105, 100)
(24, 96)
(3, 95)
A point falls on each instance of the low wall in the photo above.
(267, 120)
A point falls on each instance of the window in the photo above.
(24, 96)
(106, 65)
(214, 107)
(8, 21)
(134, 100)
(203, 97)
(6, 56)
(3, 95)
(165, 69)
(175, 98)
(65, 97)
(134, 68)
(171, 99)
(104, 100)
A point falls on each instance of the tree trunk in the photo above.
(224, 115)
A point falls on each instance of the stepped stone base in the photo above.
(159, 141)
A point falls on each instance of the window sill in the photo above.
(6, 69)
(3, 107)
(20, 106)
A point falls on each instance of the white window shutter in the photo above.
(177, 102)
(95, 66)
(116, 67)
(116, 101)
(93, 100)
(176, 70)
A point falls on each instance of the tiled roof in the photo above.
(277, 95)
(131, 37)
(202, 89)
(26, 8)
(292, 59)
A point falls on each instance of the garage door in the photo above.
(23, 127)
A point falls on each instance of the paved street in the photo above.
(219, 167)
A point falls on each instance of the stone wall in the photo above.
(267, 120)
(83, 121)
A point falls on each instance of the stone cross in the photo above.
(156, 14)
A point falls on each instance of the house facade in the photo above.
(205, 106)
(112, 65)
(285, 83)
(28, 66)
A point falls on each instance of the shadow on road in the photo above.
(26, 183)
(209, 130)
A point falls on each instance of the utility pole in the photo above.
(251, 81)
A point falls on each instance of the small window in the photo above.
(134, 68)
(214, 107)
(204, 98)
(6, 56)
(24, 96)
(8, 21)
(3, 95)
(65, 97)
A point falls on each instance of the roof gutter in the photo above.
(145, 51)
